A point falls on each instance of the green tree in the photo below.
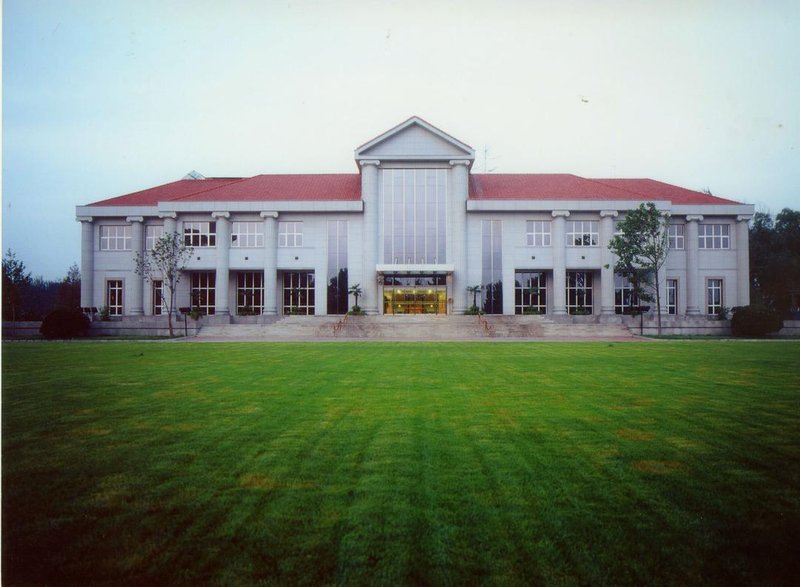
(356, 291)
(15, 280)
(474, 290)
(69, 290)
(775, 260)
(641, 249)
(166, 261)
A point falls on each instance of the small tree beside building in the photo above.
(641, 247)
(165, 261)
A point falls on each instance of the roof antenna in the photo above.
(193, 175)
(486, 158)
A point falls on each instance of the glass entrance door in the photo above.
(414, 294)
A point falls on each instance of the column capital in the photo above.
(365, 162)
(220, 215)
(464, 162)
(694, 218)
(172, 215)
(606, 213)
(84, 219)
(272, 214)
(743, 218)
(134, 219)
(557, 213)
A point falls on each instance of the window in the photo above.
(492, 265)
(675, 236)
(250, 293)
(115, 238)
(538, 233)
(582, 233)
(204, 291)
(530, 292)
(714, 236)
(157, 297)
(713, 297)
(200, 234)
(152, 233)
(624, 298)
(290, 234)
(414, 216)
(672, 296)
(337, 267)
(579, 292)
(247, 235)
(298, 293)
(114, 297)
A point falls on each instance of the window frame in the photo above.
(524, 297)
(117, 308)
(582, 233)
(713, 306)
(707, 235)
(583, 292)
(125, 239)
(204, 235)
(538, 233)
(672, 289)
(247, 239)
(152, 232)
(289, 239)
(157, 297)
(203, 293)
(624, 298)
(250, 283)
(676, 236)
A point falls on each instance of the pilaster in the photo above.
(743, 260)
(270, 262)
(87, 261)
(606, 261)
(459, 192)
(370, 178)
(223, 262)
(559, 243)
(693, 290)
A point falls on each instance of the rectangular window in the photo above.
(624, 299)
(337, 267)
(530, 292)
(714, 236)
(115, 238)
(290, 234)
(152, 233)
(249, 293)
(492, 266)
(247, 235)
(675, 236)
(538, 233)
(582, 233)
(157, 306)
(204, 291)
(114, 297)
(713, 297)
(298, 293)
(414, 216)
(200, 234)
(579, 292)
(672, 296)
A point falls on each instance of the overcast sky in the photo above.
(105, 98)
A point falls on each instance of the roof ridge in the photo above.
(615, 187)
(210, 189)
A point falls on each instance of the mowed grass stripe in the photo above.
(391, 463)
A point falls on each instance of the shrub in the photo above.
(754, 321)
(64, 324)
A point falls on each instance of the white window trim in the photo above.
(290, 238)
(721, 294)
(676, 241)
(707, 234)
(590, 228)
(121, 236)
(204, 228)
(538, 230)
(252, 237)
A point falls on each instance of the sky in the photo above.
(106, 98)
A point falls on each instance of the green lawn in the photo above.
(663, 463)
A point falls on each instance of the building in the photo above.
(415, 228)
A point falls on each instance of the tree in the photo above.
(15, 280)
(166, 260)
(641, 248)
(69, 290)
(474, 290)
(775, 260)
(357, 292)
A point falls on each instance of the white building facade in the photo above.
(415, 228)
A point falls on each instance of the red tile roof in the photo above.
(347, 187)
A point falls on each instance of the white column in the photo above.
(87, 261)
(606, 261)
(694, 293)
(136, 288)
(221, 307)
(170, 222)
(559, 243)
(270, 262)
(369, 195)
(743, 260)
(459, 192)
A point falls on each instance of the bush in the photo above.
(754, 321)
(64, 324)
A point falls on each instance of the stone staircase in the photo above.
(419, 328)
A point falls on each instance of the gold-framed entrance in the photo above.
(409, 294)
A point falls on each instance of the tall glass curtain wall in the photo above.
(492, 266)
(414, 216)
(337, 267)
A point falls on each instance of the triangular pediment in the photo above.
(414, 140)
